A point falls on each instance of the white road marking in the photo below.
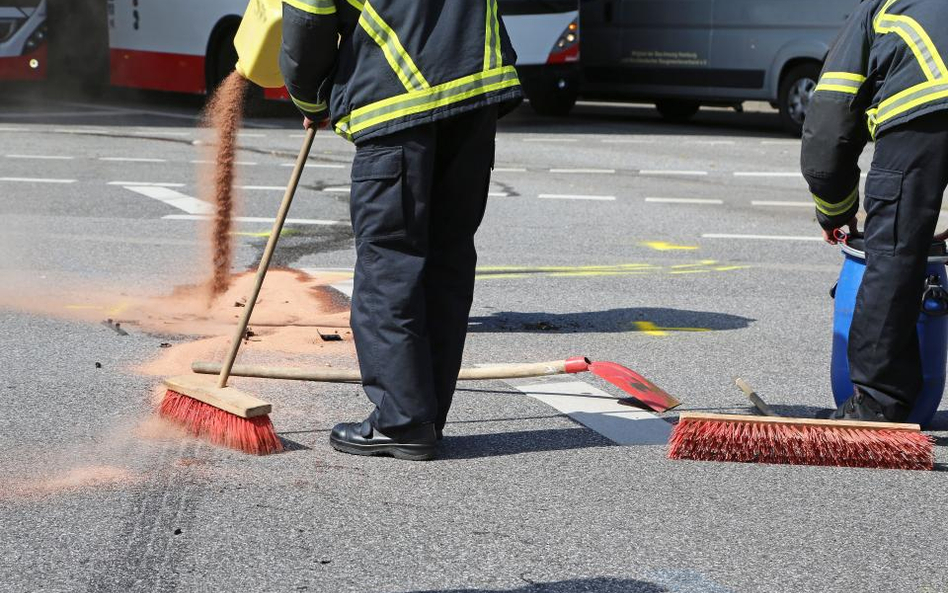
(551, 139)
(317, 165)
(149, 183)
(673, 172)
(129, 110)
(592, 171)
(762, 237)
(711, 142)
(173, 198)
(498, 194)
(129, 159)
(768, 174)
(575, 197)
(779, 142)
(49, 157)
(788, 204)
(510, 170)
(206, 162)
(12, 129)
(684, 200)
(343, 189)
(344, 286)
(599, 411)
(251, 135)
(627, 141)
(37, 180)
(161, 133)
(301, 221)
(262, 187)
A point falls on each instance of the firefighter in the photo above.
(418, 86)
(885, 78)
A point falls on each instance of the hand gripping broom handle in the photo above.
(501, 371)
(267, 256)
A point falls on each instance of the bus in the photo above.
(681, 54)
(185, 46)
(23, 47)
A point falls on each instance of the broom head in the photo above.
(224, 416)
(800, 441)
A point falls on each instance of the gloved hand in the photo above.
(941, 236)
(830, 235)
(319, 125)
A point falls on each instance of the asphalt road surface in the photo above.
(687, 252)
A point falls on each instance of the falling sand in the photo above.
(223, 114)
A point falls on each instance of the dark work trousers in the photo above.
(904, 190)
(418, 196)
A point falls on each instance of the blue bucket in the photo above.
(932, 328)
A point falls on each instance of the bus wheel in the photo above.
(677, 110)
(796, 88)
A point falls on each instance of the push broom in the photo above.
(211, 409)
(799, 441)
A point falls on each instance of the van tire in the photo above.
(793, 97)
(677, 110)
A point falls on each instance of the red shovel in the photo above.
(638, 387)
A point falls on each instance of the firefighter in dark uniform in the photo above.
(418, 86)
(885, 78)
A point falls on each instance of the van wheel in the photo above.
(796, 88)
(677, 110)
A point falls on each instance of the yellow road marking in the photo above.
(647, 327)
(666, 246)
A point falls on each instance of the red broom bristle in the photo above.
(752, 442)
(250, 435)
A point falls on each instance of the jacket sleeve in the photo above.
(308, 53)
(835, 131)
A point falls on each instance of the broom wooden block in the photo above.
(224, 398)
(800, 441)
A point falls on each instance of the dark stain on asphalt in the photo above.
(303, 242)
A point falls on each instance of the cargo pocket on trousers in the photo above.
(376, 205)
(883, 193)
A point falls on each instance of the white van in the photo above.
(681, 54)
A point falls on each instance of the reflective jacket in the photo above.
(884, 69)
(380, 66)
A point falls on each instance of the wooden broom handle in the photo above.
(328, 375)
(267, 256)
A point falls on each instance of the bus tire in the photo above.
(677, 110)
(556, 103)
(793, 98)
(221, 59)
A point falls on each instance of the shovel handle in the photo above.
(328, 375)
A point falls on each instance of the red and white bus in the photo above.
(23, 47)
(187, 46)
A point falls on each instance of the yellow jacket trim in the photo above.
(310, 107)
(915, 37)
(313, 6)
(830, 209)
(386, 38)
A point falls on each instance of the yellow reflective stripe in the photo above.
(355, 4)
(313, 6)
(310, 107)
(492, 55)
(908, 99)
(845, 76)
(836, 87)
(420, 101)
(915, 37)
(395, 53)
(842, 82)
(830, 209)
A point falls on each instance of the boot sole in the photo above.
(405, 451)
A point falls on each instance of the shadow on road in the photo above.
(593, 585)
(522, 441)
(658, 320)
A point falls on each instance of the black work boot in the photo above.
(860, 406)
(361, 438)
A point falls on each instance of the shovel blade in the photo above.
(640, 388)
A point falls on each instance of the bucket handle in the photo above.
(936, 295)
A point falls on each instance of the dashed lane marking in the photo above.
(129, 159)
(762, 237)
(672, 172)
(599, 411)
(627, 141)
(589, 171)
(42, 157)
(510, 170)
(173, 198)
(498, 194)
(551, 139)
(13, 129)
(684, 201)
(149, 183)
(576, 197)
(310, 165)
(795, 174)
(782, 203)
(37, 180)
(206, 162)
(160, 133)
(254, 219)
(711, 142)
